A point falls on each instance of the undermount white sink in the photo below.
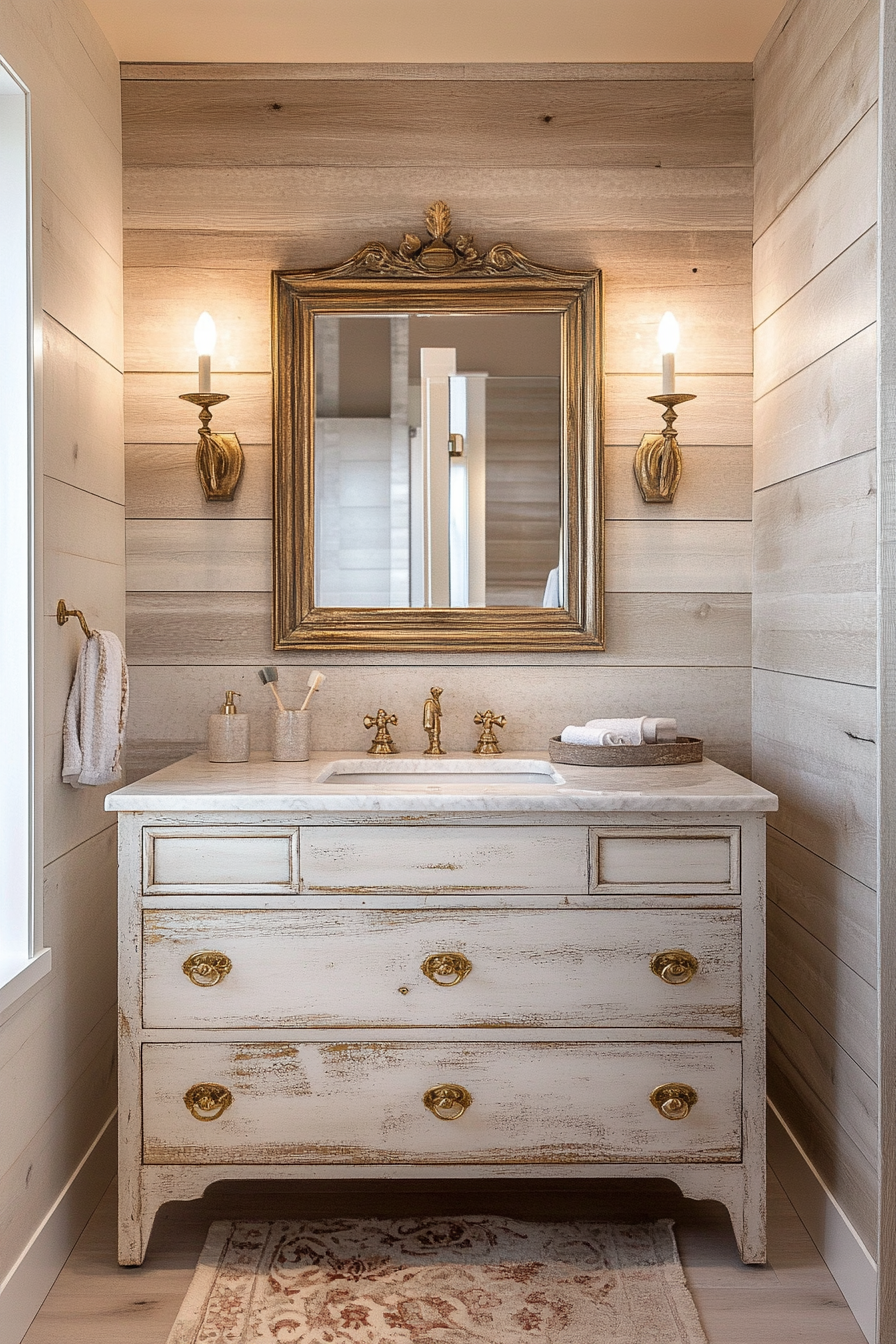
(432, 772)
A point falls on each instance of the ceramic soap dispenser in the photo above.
(228, 733)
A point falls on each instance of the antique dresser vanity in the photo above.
(338, 975)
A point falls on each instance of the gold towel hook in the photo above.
(63, 613)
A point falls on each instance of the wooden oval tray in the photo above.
(683, 751)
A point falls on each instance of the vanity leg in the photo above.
(134, 1220)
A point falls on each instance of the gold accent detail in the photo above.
(432, 722)
(207, 1101)
(219, 457)
(207, 968)
(382, 744)
(673, 1100)
(455, 445)
(63, 613)
(453, 965)
(448, 1101)
(488, 744)
(414, 277)
(658, 459)
(676, 966)
(403, 989)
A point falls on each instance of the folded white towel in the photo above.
(621, 732)
(96, 713)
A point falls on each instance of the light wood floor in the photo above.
(791, 1299)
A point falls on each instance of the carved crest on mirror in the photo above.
(418, 288)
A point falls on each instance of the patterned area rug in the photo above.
(438, 1281)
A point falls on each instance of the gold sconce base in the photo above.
(219, 457)
(658, 459)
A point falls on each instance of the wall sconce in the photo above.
(658, 459)
(219, 457)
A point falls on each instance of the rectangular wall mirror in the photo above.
(437, 451)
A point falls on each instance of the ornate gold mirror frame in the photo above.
(441, 275)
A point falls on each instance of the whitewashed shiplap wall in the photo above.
(645, 173)
(815, 612)
(57, 1051)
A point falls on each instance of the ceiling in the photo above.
(453, 31)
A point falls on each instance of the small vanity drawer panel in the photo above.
(248, 859)
(549, 860)
(363, 968)
(667, 861)
(338, 1103)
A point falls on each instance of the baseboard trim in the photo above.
(840, 1245)
(34, 1273)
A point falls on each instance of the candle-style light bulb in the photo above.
(668, 335)
(205, 335)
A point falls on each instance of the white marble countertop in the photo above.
(262, 785)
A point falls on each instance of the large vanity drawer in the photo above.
(364, 968)
(665, 861)
(194, 859)
(549, 860)
(297, 1102)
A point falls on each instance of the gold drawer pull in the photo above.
(207, 1101)
(207, 968)
(673, 1100)
(447, 968)
(448, 1101)
(676, 966)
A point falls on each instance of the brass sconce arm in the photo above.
(658, 459)
(219, 457)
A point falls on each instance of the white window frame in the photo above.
(23, 960)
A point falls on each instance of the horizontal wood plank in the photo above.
(385, 70)
(83, 420)
(839, 911)
(667, 629)
(163, 303)
(381, 202)
(841, 1001)
(835, 207)
(80, 281)
(647, 259)
(722, 413)
(839, 302)
(199, 554)
(813, 745)
(712, 703)
(677, 557)
(798, 121)
(825, 413)
(829, 1147)
(153, 412)
(805, 1050)
(162, 482)
(715, 483)
(629, 123)
(815, 573)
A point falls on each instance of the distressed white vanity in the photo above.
(349, 968)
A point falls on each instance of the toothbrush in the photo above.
(268, 677)
(315, 681)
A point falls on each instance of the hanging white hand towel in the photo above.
(96, 713)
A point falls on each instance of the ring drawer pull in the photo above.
(673, 1100)
(449, 1101)
(676, 966)
(207, 968)
(207, 1101)
(446, 968)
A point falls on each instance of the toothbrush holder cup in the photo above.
(292, 735)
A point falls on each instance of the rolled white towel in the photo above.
(651, 730)
(620, 732)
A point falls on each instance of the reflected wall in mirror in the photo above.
(437, 460)
(437, 450)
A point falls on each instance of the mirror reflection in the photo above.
(437, 460)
